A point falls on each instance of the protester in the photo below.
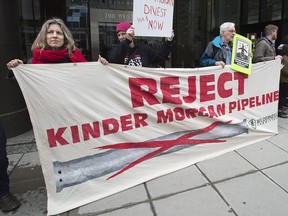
(54, 44)
(265, 47)
(8, 202)
(219, 50)
(283, 88)
(141, 55)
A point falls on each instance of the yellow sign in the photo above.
(241, 54)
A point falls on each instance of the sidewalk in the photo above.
(250, 181)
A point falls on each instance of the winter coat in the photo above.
(140, 55)
(284, 71)
(215, 51)
(264, 51)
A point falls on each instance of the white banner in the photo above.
(153, 17)
(101, 129)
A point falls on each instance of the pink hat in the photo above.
(123, 26)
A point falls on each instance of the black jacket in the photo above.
(140, 55)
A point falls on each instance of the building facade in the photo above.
(93, 23)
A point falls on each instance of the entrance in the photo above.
(103, 24)
(107, 38)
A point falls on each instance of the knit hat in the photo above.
(123, 26)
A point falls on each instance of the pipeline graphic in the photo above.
(123, 156)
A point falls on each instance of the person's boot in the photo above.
(281, 114)
(8, 202)
(284, 110)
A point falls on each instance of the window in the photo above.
(225, 11)
(253, 12)
(285, 10)
(270, 10)
(250, 11)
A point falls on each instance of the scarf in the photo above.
(41, 56)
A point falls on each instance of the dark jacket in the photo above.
(215, 51)
(283, 50)
(284, 71)
(264, 51)
(140, 55)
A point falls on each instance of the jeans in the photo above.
(4, 179)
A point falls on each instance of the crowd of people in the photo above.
(55, 44)
(218, 52)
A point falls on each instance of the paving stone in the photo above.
(225, 166)
(280, 140)
(27, 185)
(33, 203)
(263, 154)
(33, 147)
(283, 124)
(120, 200)
(254, 194)
(27, 169)
(27, 137)
(19, 148)
(140, 209)
(279, 174)
(282, 129)
(13, 161)
(181, 180)
(199, 202)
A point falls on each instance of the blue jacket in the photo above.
(215, 51)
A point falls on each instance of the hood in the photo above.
(217, 41)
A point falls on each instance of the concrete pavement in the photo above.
(251, 181)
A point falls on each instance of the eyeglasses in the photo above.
(232, 31)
